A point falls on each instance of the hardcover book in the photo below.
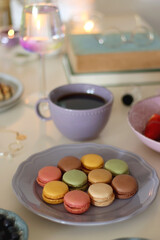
(138, 47)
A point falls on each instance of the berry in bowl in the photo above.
(144, 120)
(12, 227)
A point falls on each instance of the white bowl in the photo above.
(138, 116)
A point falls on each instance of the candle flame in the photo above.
(38, 24)
(35, 12)
(11, 33)
(88, 26)
(36, 18)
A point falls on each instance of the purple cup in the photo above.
(78, 125)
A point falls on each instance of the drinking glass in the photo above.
(41, 32)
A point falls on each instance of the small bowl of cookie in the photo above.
(11, 90)
(6, 91)
(144, 120)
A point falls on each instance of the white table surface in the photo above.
(41, 136)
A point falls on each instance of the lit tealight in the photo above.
(11, 33)
(88, 26)
(9, 37)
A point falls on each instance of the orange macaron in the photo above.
(76, 201)
(48, 174)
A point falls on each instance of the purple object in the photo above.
(29, 193)
(36, 46)
(9, 41)
(78, 125)
(138, 116)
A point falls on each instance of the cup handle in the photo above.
(37, 108)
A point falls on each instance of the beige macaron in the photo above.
(101, 194)
(99, 176)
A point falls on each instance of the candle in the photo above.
(37, 24)
(89, 26)
(85, 24)
(9, 37)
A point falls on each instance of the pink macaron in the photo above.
(76, 201)
(48, 174)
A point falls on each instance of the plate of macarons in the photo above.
(85, 184)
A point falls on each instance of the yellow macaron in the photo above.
(54, 191)
(91, 161)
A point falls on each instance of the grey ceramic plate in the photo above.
(17, 91)
(19, 223)
(29, 193)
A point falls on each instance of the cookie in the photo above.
(117, 166)
(76, 202)
(99, 176)
(125, 186)
(48, 174)
(75, 179)
(68, 163)
(6, 91)
(101, 194)
(91, 161)
(54, 192)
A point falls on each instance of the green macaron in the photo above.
(75, 179)
(117, 166)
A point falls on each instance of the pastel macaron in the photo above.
(101, 194)
(99, 176)
(54, 192)
(91, 161)
(75, 179)
(47, 174)
(117, 166)
(125, 186)
(76, 202)
(68, 163)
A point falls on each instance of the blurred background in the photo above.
(148, 9)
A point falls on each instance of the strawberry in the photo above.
(154, 117)
(152, 130)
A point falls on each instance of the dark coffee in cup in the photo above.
(80, 101)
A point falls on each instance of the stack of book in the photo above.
(128, 63)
